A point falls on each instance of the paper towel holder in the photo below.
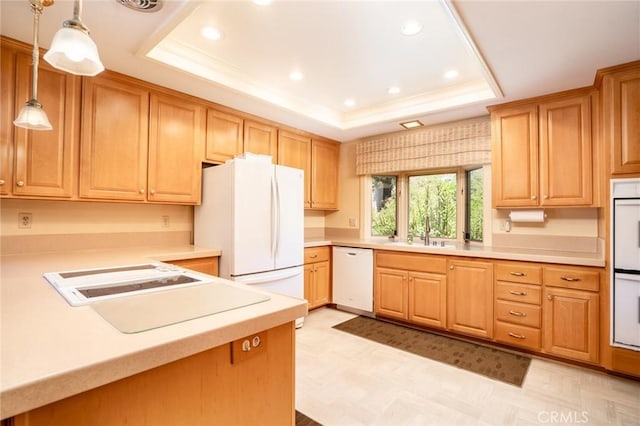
(531, 216)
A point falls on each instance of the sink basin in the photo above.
(418, 245)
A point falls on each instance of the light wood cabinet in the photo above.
(470, 297)
(39, 164)
(176, 140)
(517, 308)
(411, 287)
(114, 141)
(219, 386)
(224, 136)
(260, 138)
(206, 265)
(621, 113)
(531, 145)
(325, 157)
(571, 309)
(317, 276)
(294, 150)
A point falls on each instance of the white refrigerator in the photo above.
(253, 211)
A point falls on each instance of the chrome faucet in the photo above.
(427, 230)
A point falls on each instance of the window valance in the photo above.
(454, 144)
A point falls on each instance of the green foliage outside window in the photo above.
(475, 201)
(433, 195)
(383, 211)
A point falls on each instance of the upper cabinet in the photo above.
(294, 150)
(176, 141)
(38, 163)
(224, 136)
(260, 138)
(138, 145)
(621, 116)
(531, 144)
(115, 124)
(325, 157)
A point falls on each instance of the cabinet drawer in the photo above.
(518, 335)
(317, 254)
(518, 273)
(519, 313)
(524, 293)
(582, 279)
(411, 262)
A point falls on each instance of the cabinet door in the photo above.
(113, 153)
(322, 284)
(7, 115)
(515, 156)
(295, 151)
(45, 161)
(176, 139)
(260, 138)
(428, 299)
(571, 324)
(565, 133)
(391, 293)
(224, 136)
(621, 96)
(470, 297)
(324, 175)
(308, 283)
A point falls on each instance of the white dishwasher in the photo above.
(353, 279)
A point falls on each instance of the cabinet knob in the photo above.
(1, 181)
(141, 191)
(549, 297)
(152, 192)
(451, 267)
(546, 197)
(533, 197)
(20, 183)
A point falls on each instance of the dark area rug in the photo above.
(490, 362)
(302, 420)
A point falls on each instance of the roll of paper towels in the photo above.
(527, 216)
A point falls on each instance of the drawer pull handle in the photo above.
(313, 256)
(518, 293)
(517, 336)
(518, 274)
(570, 279)
(518, 314)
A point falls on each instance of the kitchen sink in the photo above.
(419, 245)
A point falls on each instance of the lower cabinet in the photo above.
(317, 276)
(470, 297)
(411, 287)
(205, 265)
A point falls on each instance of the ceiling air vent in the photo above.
(142, 5)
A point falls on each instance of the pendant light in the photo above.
(72, 49)
(32, 116)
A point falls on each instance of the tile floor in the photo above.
(346, 380)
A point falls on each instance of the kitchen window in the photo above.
(452, 199)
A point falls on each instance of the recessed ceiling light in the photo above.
(451, 74)
(411, 27)
(262, 2)
(394, 90)
(296, 76)
(211, 33)
(349, 102)
(411, 124)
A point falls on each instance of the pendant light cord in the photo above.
(36, 7)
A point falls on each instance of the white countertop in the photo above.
(51, 350)
(472, 250)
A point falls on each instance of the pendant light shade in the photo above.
(72, 49)
(32, 116)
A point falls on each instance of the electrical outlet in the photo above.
(165, 221)
(352, 222)
(24, 220)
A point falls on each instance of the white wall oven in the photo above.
(625, 255)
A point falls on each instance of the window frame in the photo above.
(402, 203)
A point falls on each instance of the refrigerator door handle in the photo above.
(273, 217)
(277, 220)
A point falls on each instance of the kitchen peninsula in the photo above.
(67, 365)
